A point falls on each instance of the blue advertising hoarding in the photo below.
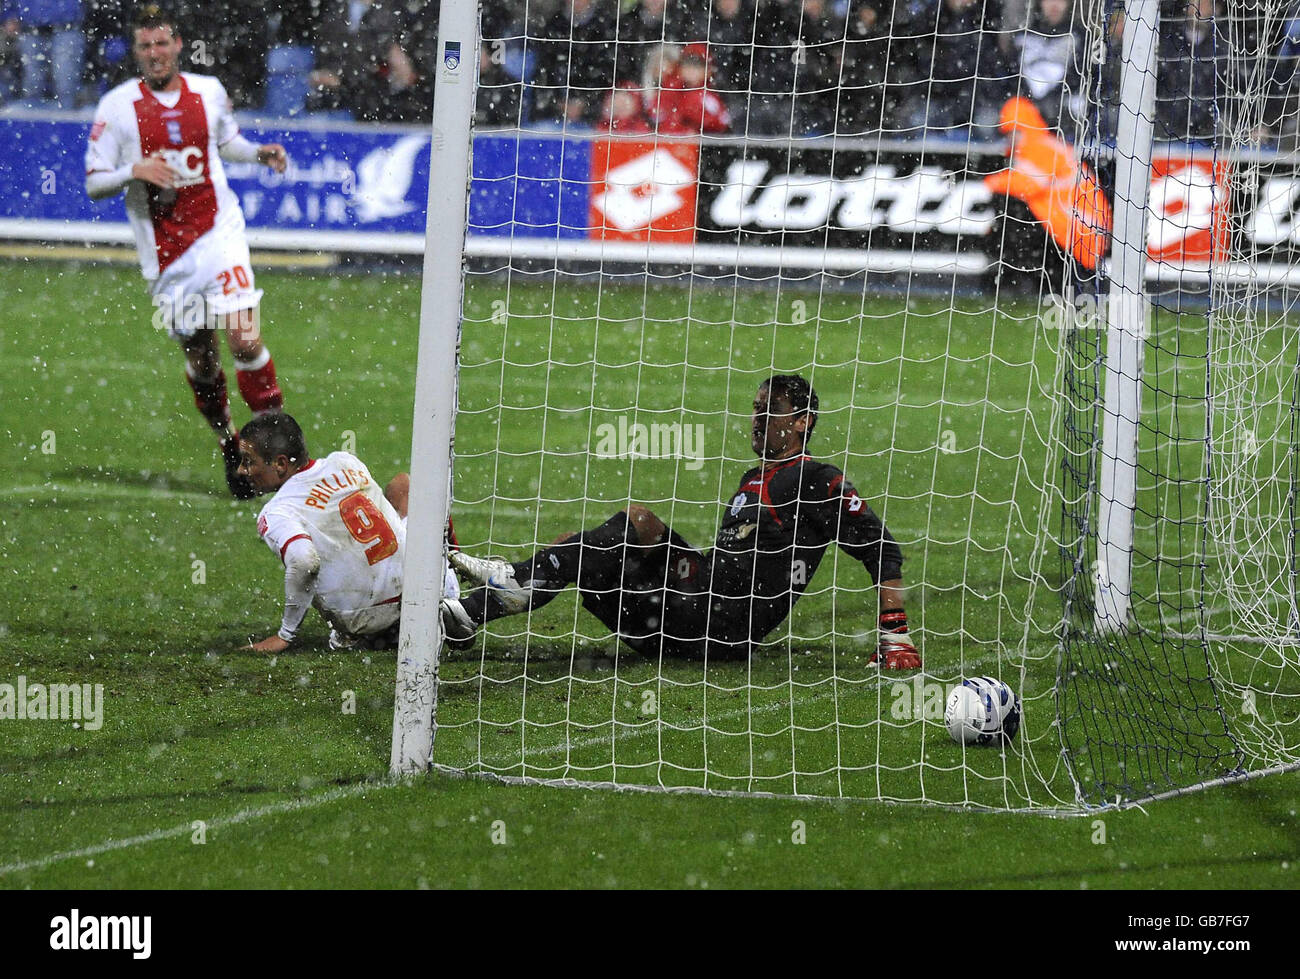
(346, 186)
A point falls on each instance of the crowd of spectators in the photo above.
(899, 67)
(763, 67)
(364, 59)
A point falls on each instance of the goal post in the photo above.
(429, 503)
(1127, 312)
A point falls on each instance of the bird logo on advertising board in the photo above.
(383, 179)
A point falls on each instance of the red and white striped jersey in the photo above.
(337, 504)
(188, 127)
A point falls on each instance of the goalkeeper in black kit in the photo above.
(661, 596)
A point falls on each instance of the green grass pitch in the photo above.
(125, 564)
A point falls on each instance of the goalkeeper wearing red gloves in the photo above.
(660, 595)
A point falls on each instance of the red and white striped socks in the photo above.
(257, 383)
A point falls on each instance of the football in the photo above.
(983, 710)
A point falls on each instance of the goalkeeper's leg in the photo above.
(593, 560)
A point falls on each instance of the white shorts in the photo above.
(214, 277)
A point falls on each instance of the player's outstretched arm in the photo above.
(271, 644)
(301, 568)
(237, 149)
(860, 533)
(895, 650)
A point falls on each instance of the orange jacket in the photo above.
(1060, 190)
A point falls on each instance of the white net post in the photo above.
(1126, 319)
(435, 389)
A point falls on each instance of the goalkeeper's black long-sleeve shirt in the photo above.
(774, 533)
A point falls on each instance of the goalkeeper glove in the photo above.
(895, 651)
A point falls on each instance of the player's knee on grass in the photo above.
(398, 492)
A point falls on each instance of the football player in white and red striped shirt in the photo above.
(162, 138)
(341, 538)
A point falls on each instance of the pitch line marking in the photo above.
(243, 816)
(48, 492)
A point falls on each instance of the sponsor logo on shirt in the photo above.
(188, 163)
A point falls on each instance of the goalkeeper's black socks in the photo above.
(893, 622)
(483, 606)
(592, 552)
(584, 559)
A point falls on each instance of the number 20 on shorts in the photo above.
(238, 275)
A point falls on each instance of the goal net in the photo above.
(1036, 261)
(1199, 682)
